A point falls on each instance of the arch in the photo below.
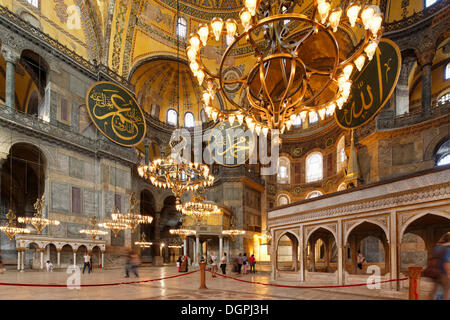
(283, 199)
(172, 117)
(314, 166)
(292, 263)
(314, 194)
(327, 228)
(417, 217)
(181, 27)
(28, 244)
(341, 157)
(413, 250)
(359, 223)
(284, 170)
(321, 250)
(189, 120)
(434, 145)
(342, 186)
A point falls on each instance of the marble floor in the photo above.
(180, 288)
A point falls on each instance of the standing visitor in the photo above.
(244, 264)
(49, 266)
(127, 257)
(213, 261)
(223, 262)
(134, 263)
(252, 261)
(90, 264)
(87, 260)
(360, 260)
(239, 263)
(438, 268)
(1, 265)
(179, 263)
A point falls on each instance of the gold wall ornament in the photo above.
(299, 66)
(116, 113)
(11, 229)
(131, 219)
(94, 232)
(37, 221)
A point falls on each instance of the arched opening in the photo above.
(96, 255)
(413, 251)
(32, 256)
(51, 254)
(67, 256)
(147, 204)
(367, 240)
(22, 179)
(82, 250)
(321, 251)
(287, 253)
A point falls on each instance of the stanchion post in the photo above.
(202, 275)
(414, 282)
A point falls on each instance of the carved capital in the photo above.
(10, 54)
(426, 57)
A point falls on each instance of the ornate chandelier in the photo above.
(198, 208)
(131, 219)
(115, 226)
(94, 231)
(11, 229)
(143, 243)
(37, 221)
(183, 233)
(300, 66)
(177, 175)
(232, 232)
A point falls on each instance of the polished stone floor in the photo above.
(180, 288)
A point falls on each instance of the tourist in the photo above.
(179, 263)
(90, 264)
(87, 261)
(127, 257)
(134, 264)
(360, 260)
(184, 264)
(213, 262)
(1, 265)
(244, 264)
(239, 263)
(223, 262)
(252, 261)
(49, 266)
(438, 268)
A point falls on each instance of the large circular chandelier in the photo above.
(11, 229)
(131, 219)
(198, 208)
(177, 175)
(300, 66)
(37, 221)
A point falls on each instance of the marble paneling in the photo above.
(90, 202)
(62, 163)
(89, 171)
(73, 231)
(109, 203)
(77, 86)
(76, 168)
(60, 196)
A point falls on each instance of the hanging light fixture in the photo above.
(114, 226)
(131, 219)
(94, 232)
(198, 208)
(143, 243)
(37, 221)
(11, 229)
(183, 233)
(174, 172)
(285, 81)
(233, 231)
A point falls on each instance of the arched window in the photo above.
(34, 3)
(154, 111)
(314, 167)
(172, 117)
(182, 27)
(342, 187)
(283, 199)
(313, 117)
(314, 194)
(189, 120)
(447, 71)
(443, 154)
(298, 121)
(284, 170)
(429, 3)
(444, 98)
(341, 156)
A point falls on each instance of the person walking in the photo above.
(239, 263)
(127, 257)
(244, 263)
(213, 262)
(223, 262)
(134, 264)
(87, 260)
(438, 268)
(179, 263)
(252, 262)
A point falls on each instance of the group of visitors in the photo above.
(132, 262)
(242, 262)
(183, 263)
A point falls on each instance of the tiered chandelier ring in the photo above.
(276, 105)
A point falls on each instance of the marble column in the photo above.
(22, 262)
(273, 256)
(341, 257)
(19, 255)
(394, 252)
(402, 89)
(74, 258)
(58, 253)
(185, 247)
(103, 259)
(220, 246)
(11, 57)
(302, 256)
(426, 60)
(197, 250)
(41, 252)
(313, 255)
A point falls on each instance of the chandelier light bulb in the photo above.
(191, 53)
(251, 6)
(240, 118)
(323, 8)
(200, 76)
(231, 26)
(231, 119)
(206, 97)
(340, 102)
(322, 113)
(348, 69)
(258, 129)
(246, 18)
(352, 13)
(214, 115)
(303, 115)
(194, 66)
(203, 32)
(375, 24)
(367, 15)
(370, 49)
(330, 108)
(334, 18)
(194, 41)
(359, 62)
(217, 25)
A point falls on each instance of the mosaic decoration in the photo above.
(405, 4)
(61, 10)
(116, 114)
(117, 43)
(369, 94)
(135, 6)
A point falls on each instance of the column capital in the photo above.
(10, 54)
(426, 57)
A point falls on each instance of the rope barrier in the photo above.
(307, 287)
(92, 285)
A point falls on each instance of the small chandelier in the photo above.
(233, 232)
(300, 66)
(115, 226)
(177, 175)
(198, 208)
(143, 243)
(11, 229)
(94, 231)
(183, 233)
(37, 221)
(131, 219)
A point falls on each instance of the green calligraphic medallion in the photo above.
(230, 145)
(372, 87)
(116, 113)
